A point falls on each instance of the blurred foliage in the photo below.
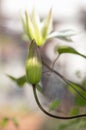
(5, 120)
(75, 124)
(78, 74)
(54, 104)
(15, 122)
(84, 81)
(78, 124)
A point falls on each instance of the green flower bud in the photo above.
(33, 64)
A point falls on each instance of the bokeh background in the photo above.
(19, 102)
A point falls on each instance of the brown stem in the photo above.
(54, 116)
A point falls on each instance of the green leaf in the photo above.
(67, 49)
(39, 88)
(4, 121)
(54, 105)
(63, 126)
(15, 122)
(74, 111)
(84, 81)
(78, 74)
(79, 101)
(79, 92)
(20, 81)
(69, 124)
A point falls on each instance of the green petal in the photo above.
(24, 24)
(30, 29)
(47, 25)
(36, 24)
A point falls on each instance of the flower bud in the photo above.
(33, 64)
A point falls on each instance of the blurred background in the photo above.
(19, 102)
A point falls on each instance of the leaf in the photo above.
(63, 126)
(63, 35)
(69, 124)
(67, 49)
(76, 86)
(4, 121)
(79, 101)
(84, 81)
(39, 88)
(54, 104)
(74, 111)
(20, 81)
(79, 92)
(15, 122)
(78, 74)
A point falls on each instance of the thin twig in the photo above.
(53, 64)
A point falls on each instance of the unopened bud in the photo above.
(33, 64)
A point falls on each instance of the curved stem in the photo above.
(54, 116)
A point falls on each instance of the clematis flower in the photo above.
(36, 29)
(41, 31)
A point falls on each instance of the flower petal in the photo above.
(47, 24)
(63, 35)
(36, 24)
(30, 29)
